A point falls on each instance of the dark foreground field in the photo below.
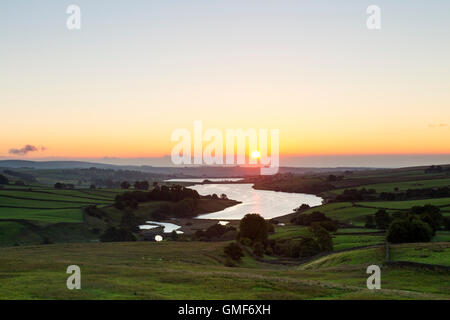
(195, 270)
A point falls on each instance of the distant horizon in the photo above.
(135, 72)
(308, 161)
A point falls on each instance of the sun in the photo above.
(256, 154)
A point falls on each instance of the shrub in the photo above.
(114, 234)
(306, 219)
(258, 249)
(229, 262)
(245, 242)
(382, 219)
(130, 222)
(3, 179)
(174, 235)
(370, 222)
(233, 251)
(327, 225)
(446, 223)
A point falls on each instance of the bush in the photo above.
(409, 230)
(233, 251)
(258, 249)
(254, 227)
(322, 237)
(446, 223)
(3, 179)
(308, 247)
(229, 262)
(114, 234)
(382, 219)
(245, 242)
(130, 222)
(306, 219)
(174, 235)
(370, 222)
(327, 225)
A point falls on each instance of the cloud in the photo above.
(23, 151)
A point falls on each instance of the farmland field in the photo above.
(177, 270)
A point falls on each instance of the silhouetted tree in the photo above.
(125, 185)
(3, 179)
(253, 227)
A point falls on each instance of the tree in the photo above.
(258, 249)
(3, 179)
(409, 229)
(130, 222)
(382, 219)
(327, 225)
(125, 185)
(447, 223)
(429, 214)
(141, 185)
(303, 207)
(174, 235)
(233, 251)
(322, 237)
(307, 247)
(59, 185)
(114, 234)
(254, 227)
(370, 222)
(305, 219)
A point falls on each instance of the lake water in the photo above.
(199, 180)
(269, 204)
(168, 227)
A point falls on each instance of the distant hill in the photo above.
(16, 164)
(200, 171)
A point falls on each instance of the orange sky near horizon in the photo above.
(312, 70)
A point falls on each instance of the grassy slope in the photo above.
(179, 270)
(402, 186)
(49, 205)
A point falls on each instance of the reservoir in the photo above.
(269, 204)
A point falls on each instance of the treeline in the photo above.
(437, 169)
(419, 224)
(185, 200)
(104, 178)
(294, 183)
(371, 194)
(23, 176)
(64, 186)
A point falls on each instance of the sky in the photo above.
(138, 70)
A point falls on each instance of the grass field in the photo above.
(402, 186)
(178, 270)
(440, 202)
(43, 204)
(32, 215)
